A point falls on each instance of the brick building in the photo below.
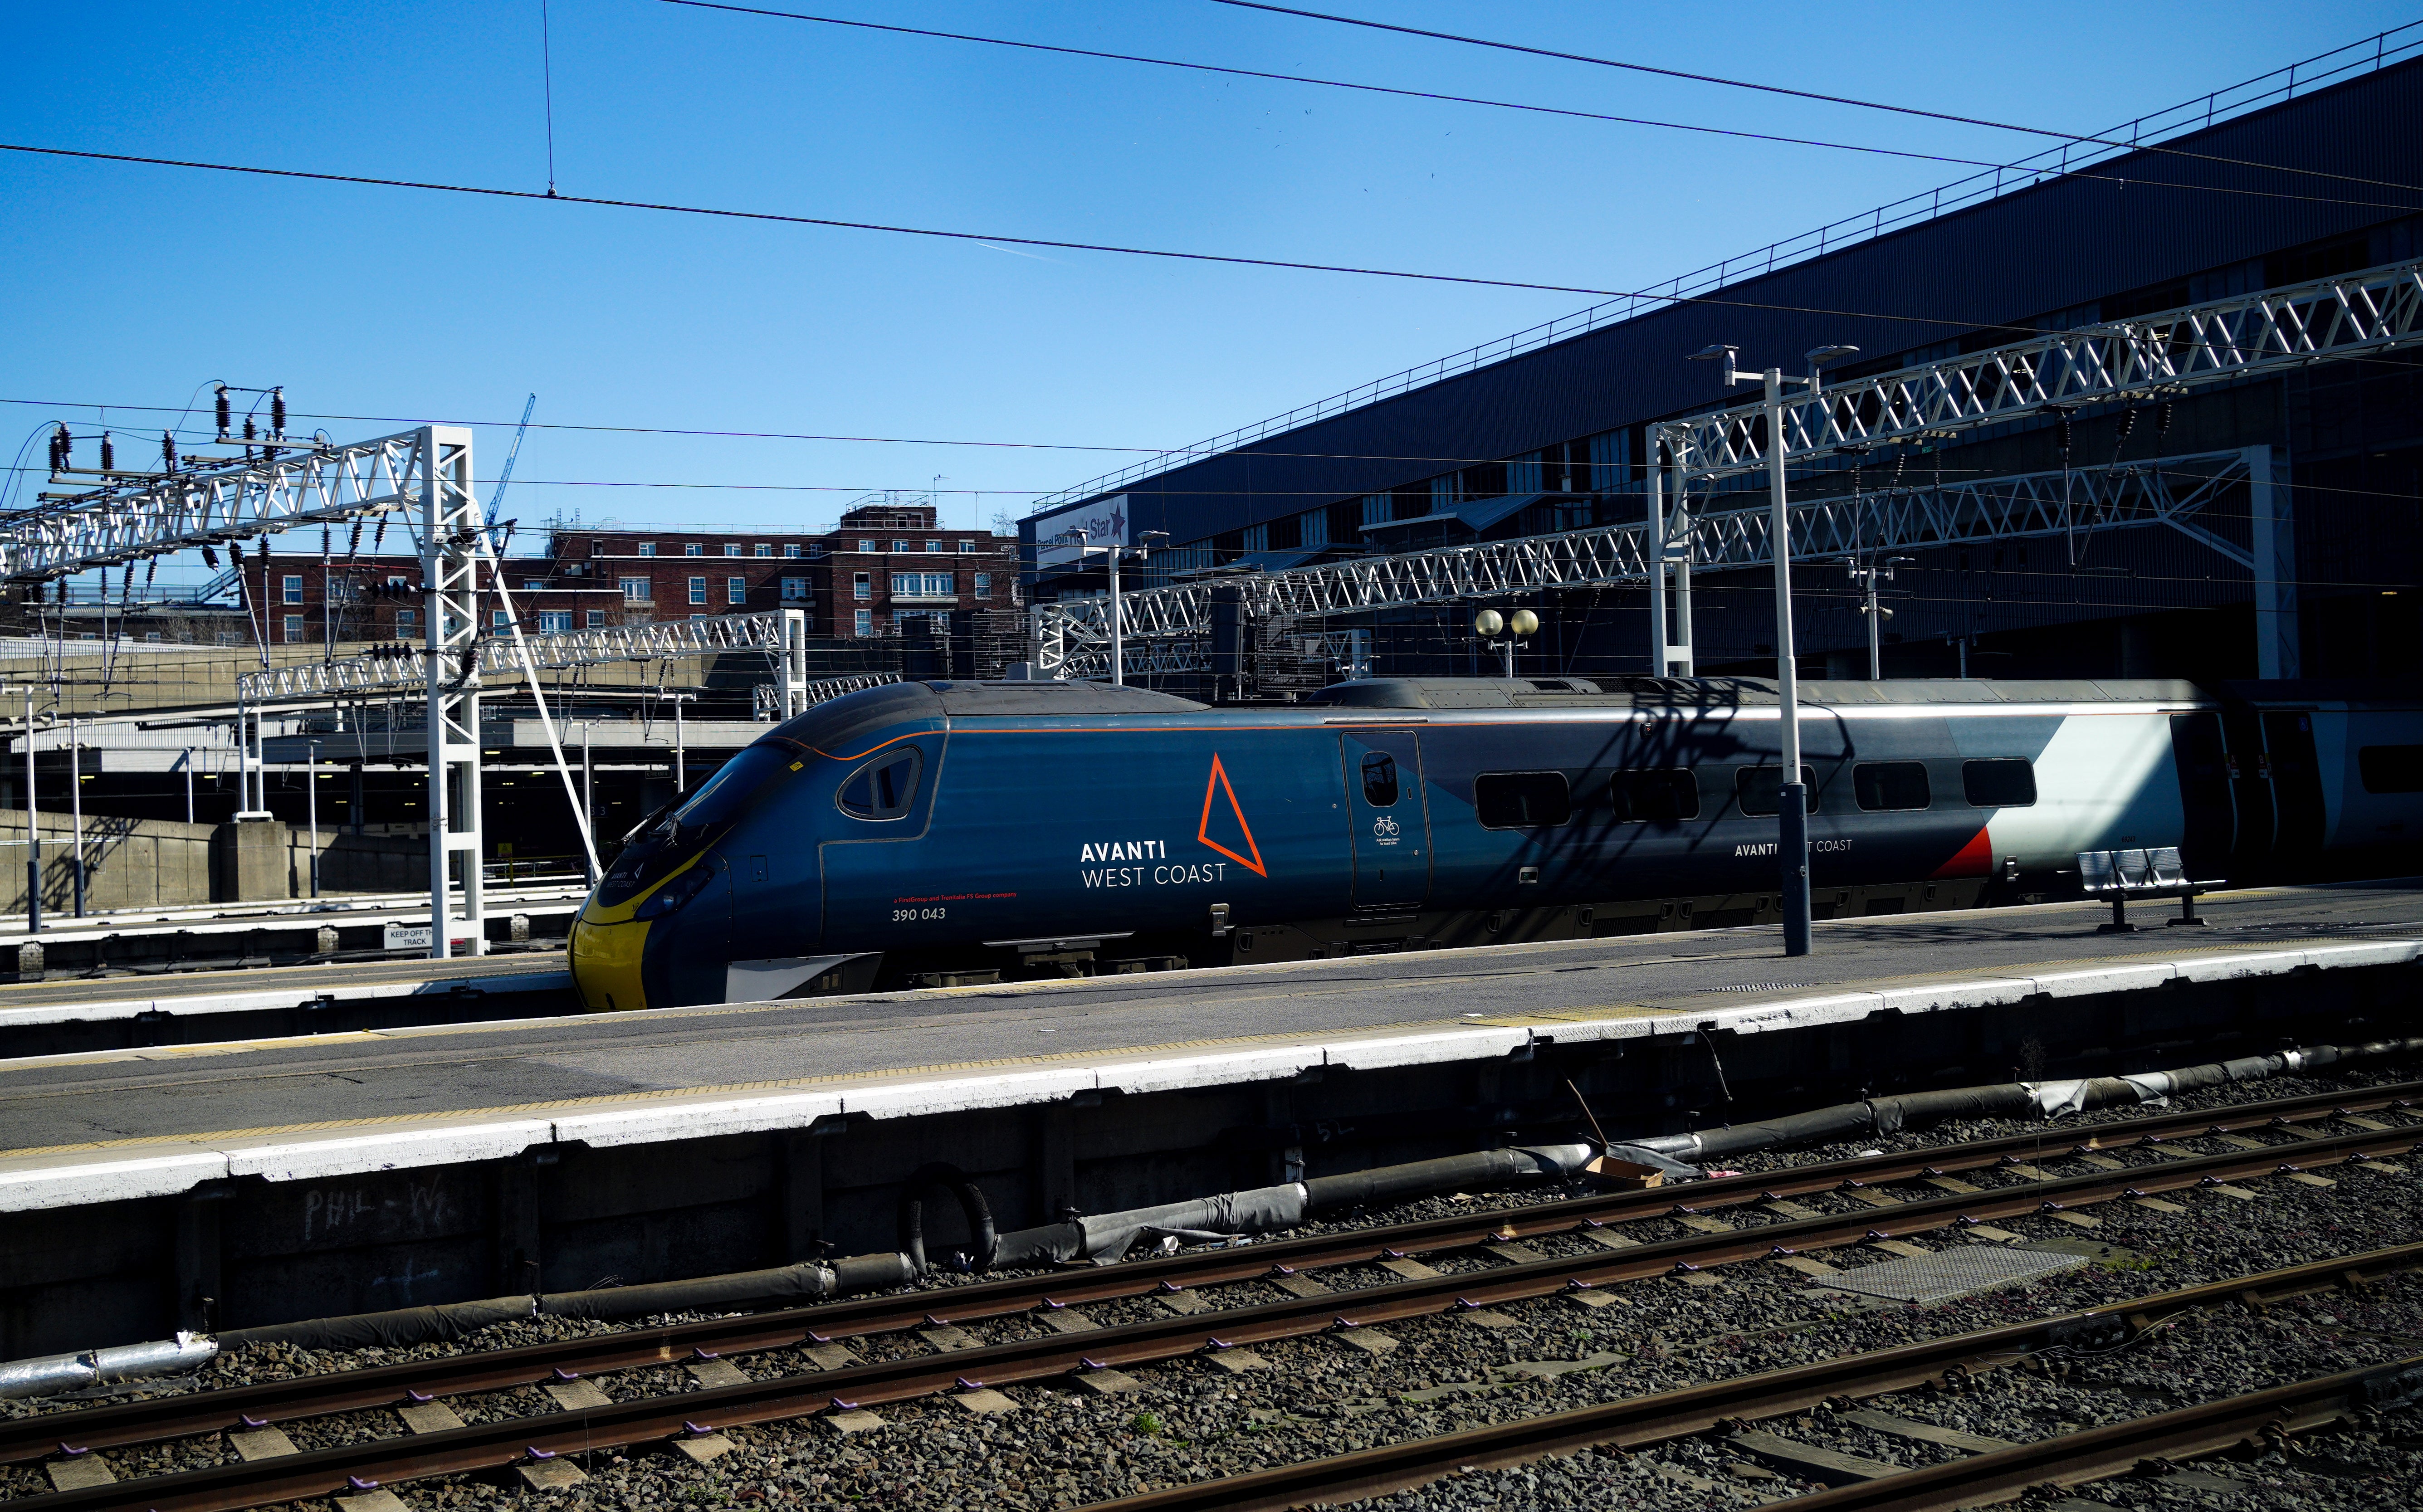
(886, 567)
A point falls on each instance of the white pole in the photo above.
(587, 803)
(311, 797)
(1119, 658)
(33, 830)
(189, 784)
(1793, 811)
(1875, 633)
(1658, 639)
(75, 806)
(681, 765)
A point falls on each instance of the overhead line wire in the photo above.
(1803, 94)
(493, 192)
(1740, 133)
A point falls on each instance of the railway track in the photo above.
(852, 1385)
(1643, 1422)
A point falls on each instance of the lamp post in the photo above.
(1111, 555)
(1866, 578)
(1519, 626)
(681, 748)
(1792, 808)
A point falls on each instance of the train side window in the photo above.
(1522, 801)
(2390, 768)
(884, 787)
(1999, 784)
(1759, 790)
(1891, 785)
(1659, 798)
(1379, 779)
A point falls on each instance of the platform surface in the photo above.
(140, 1121)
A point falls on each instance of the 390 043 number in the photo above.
(905, 915)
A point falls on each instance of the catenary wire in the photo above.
(1233, 260)
(1805, 94)
(1739, 132)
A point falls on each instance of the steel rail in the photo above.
(2096, 1454)
(237, 1407)
(494, 1445)
(1643, 1422)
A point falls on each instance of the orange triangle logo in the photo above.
(1218, 783)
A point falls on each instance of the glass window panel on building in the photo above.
(555, 621)
(984, 584)
(862, 585)
(698, 590)
(865, 622)
(736, 590)
(764, 550)
(293, 627)
(406, 622)
(647, 549)
(693, 549)
(790, 548)
(795, 589)
(638, 590)
(293, 588)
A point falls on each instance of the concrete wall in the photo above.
(564, 1215)
(166, 863)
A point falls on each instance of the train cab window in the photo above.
(1379, 779)
(2390, 768)
(1522, 801)
(1655, 798)
(884, 787)
(1759, 790)
(1999, 784)
(1891, 785)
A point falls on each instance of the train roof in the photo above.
(1731, 692)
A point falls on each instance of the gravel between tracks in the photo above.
(1064, 1443)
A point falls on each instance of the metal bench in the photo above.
(2122, 874)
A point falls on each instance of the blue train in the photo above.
(935, 833)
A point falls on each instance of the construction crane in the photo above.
(497, 498)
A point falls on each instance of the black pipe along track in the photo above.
(494, 1445)
(237, 1407)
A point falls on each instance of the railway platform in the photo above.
(385, 1166)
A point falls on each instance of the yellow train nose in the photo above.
(606, 964)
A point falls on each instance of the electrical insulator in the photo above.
(264, 548)
(210, 558)
(224, 414)
(167, 451)
(62, 448)
(278, 413)
(108, 455)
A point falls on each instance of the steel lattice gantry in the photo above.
(2169, 491)
(553, 651)
(2269, 331)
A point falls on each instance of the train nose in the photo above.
(606, 963)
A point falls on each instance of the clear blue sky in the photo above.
(132, 284)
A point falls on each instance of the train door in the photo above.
(2250, 782)
(2296, 786)
(2204, 794)
(1391, 807)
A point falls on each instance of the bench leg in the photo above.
(2188, 914)
(2119, 924)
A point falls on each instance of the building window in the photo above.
(638, 590)
(294, 626)
(865, 622)
(555, 622)
(984, 584)
(933, 545)
(795, 589)
(698, 590)
(900, 546)
(764, 550)
(736, 590)
(502, 621)
(1258, 538)
(967, 547)
(791, 549)
(293, 588)
(922, 585)
(733, 548)
(865, 545)
(597, 548)
(862, 585)
(647, 549)
(597, 619)
(406, 622)
(693, 549)
(529, 587)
